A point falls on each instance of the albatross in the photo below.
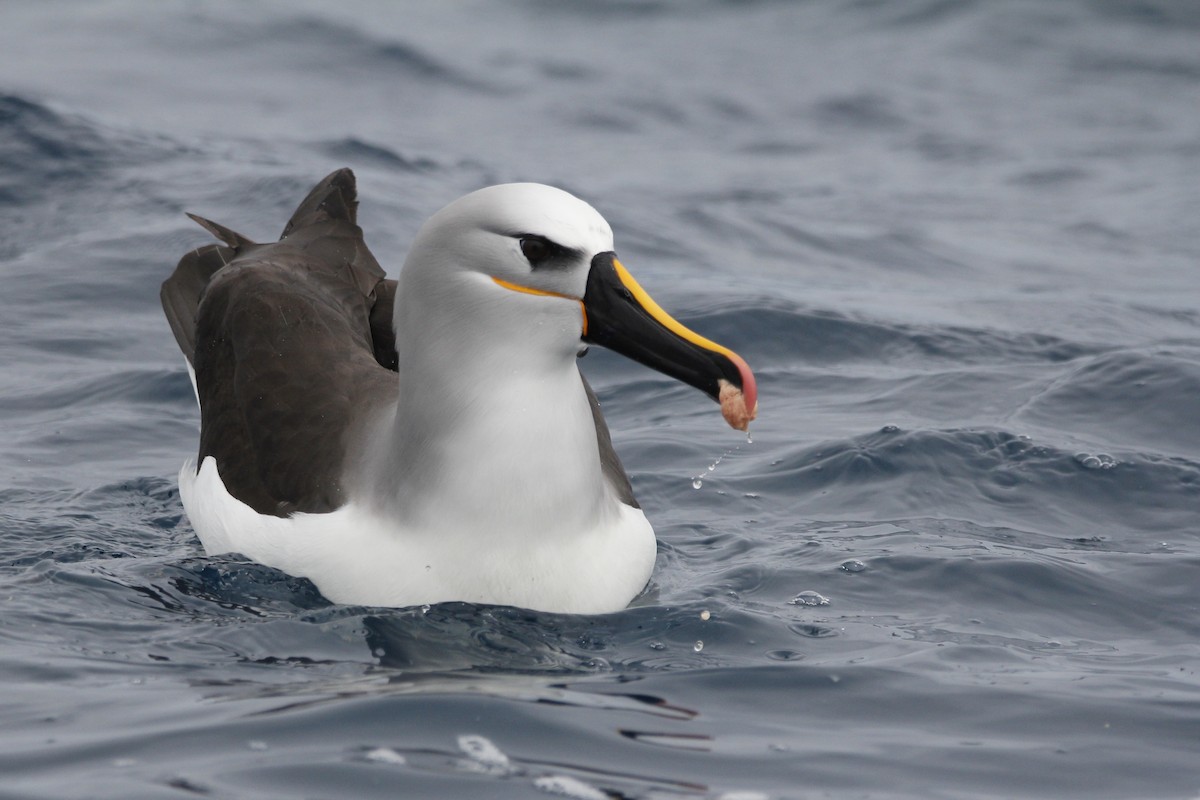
(429, 438)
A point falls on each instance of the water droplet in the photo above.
(705, 615)
(853, 565)
(425, 608)
(749, 438)
(698, 481)
(809, 598)
(698, 646)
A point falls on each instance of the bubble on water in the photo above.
(566, 786)
(809, 598)
(853, 565)
(698, 646)
(384, 755)
(1097, 461)
(657, 646)
(483, 754)
(889, 429)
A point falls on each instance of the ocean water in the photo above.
(958, 242)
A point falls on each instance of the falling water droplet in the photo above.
(698, 646)
(696, 482)
(425, 609)
(705, 615)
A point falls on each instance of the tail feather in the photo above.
(229, 237)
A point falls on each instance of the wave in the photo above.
(41, 149)
(988, 477)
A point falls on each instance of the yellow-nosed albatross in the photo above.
(483, 471)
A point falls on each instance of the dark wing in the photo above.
(610, 464)
(181, 292)
(282, 338)
(383, 332)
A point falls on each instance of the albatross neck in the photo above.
(491, 434)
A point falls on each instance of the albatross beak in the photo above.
(622, 317)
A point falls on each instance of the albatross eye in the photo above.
(546, 254)
(538, 249)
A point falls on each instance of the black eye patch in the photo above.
(544, 253)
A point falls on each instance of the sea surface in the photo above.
(959, 243)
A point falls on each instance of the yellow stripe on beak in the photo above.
(665, 319)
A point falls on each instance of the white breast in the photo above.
(356, 556)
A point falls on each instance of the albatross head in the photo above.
(533, 269)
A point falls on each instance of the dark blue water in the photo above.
(957, 241)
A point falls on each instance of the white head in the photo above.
(510, 262)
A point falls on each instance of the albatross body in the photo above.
(431, 438)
